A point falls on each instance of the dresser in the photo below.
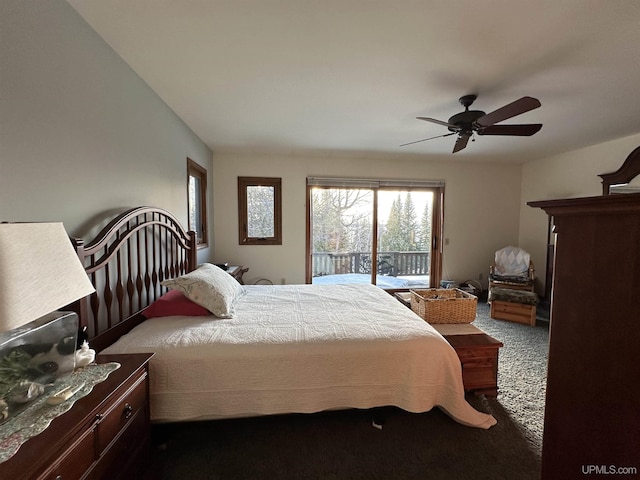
(592, 412)
(105, 435)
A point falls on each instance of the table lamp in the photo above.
(40, 273)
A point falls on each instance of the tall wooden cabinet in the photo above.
(592, 413)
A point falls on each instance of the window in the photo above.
(260, 211)
(197, 201)
(374, 231)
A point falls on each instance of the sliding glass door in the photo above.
(369, 232)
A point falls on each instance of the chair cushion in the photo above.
(509, 279)
(512, 262)
(513, 296)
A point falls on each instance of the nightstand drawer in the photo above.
(121, 412)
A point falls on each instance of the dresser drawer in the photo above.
(122, 411)
(75, 460)
(128, 453)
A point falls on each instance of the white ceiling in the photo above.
(348, 77)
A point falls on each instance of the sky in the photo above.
(387, 197)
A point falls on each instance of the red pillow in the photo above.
(174, 303)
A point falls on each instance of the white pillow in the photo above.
(210, 287)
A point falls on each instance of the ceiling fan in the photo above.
(466, 123)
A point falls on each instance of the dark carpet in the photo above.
(345, 445)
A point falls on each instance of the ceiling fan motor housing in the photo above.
(465, 120)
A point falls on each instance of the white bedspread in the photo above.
(303, 349)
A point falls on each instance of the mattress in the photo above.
(300, 349)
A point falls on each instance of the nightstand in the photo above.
(105, 435)
(237, 272)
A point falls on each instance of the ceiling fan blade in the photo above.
(518, 107)
(425, 139)
(524, 130)
(439, 122)
(461, 142)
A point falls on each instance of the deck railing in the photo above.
(389, 263)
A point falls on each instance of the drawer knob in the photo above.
(99, 417)
(128, 411)
(59, 477)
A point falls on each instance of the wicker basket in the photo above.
(444, 305)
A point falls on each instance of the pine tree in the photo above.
(409, 225)
(392, 237)
(425, 229)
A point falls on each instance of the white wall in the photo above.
(80, 133)
(572, 174)
(481, 208)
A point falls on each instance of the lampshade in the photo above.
(40, 272)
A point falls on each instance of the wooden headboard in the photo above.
(126, 263)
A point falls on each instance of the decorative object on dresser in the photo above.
(592, 413)
(85, 355)
(105, 435)
(40, 273)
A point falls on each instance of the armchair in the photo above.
(512, 269)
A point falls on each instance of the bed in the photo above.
(269, 349)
